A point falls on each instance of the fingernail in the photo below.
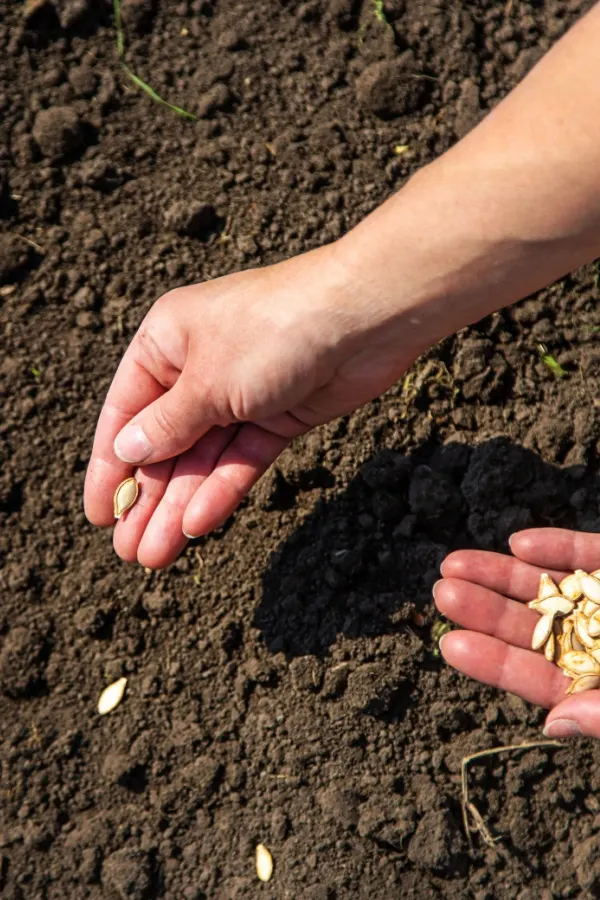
(190, 537)
(441, 641)
(435, 587)
(562, 728)
(510, 540)
(132, 445)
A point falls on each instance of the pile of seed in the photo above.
(568, 632)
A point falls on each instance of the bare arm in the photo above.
(221, 376)
(509, 209)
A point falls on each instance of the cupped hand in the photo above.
(486, 594)
(219, 378)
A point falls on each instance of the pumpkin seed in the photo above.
(580, 663)
(264, 863)
(556, 606)
(584, 683)
(589, 585)
(547, 587)
(582, 631)
(111, 696)
(125, 496)
(570, 587)
(550, 648)
(542, 631)
(594, 625)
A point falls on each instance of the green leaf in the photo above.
(379, 11)
(144, 86)
(156, 97)
(549, 361)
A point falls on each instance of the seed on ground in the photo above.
(264, 863)
(111, 696)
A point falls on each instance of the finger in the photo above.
(247, 458)
(479, 609)
(129, 530)
(497, 572)
(512, 669)
(574, 716)
(558, 547)
(167, 427)
(132, 389)
(163, 538)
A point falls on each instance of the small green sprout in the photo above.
(35, 372)
(549, 361)
(439, 628)
(379, 11)
(156, 97)
(139, 82)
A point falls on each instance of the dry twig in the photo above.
(469, 808)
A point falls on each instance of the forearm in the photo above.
(512, 207)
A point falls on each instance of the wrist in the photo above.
(456, 243)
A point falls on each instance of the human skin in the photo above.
(222, 376)
(486, 593)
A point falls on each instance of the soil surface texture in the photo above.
(284, 685)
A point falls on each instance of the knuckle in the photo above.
(166, 423)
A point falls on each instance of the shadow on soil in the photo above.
(363, 563)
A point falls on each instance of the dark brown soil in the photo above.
(282, 685)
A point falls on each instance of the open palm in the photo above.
(486, 593)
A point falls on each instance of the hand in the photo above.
(486, 592)
(218, 380)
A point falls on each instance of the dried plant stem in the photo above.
(469, 808)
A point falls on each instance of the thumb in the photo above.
(167, 427)
(577, 716)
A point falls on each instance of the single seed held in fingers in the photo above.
(125, 496)
(264, 863)
(111, 696)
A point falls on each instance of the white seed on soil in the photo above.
(589, 585)
(570, 587)
(111, 696)
(542, 631)
(125, 496)
(264, 863)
